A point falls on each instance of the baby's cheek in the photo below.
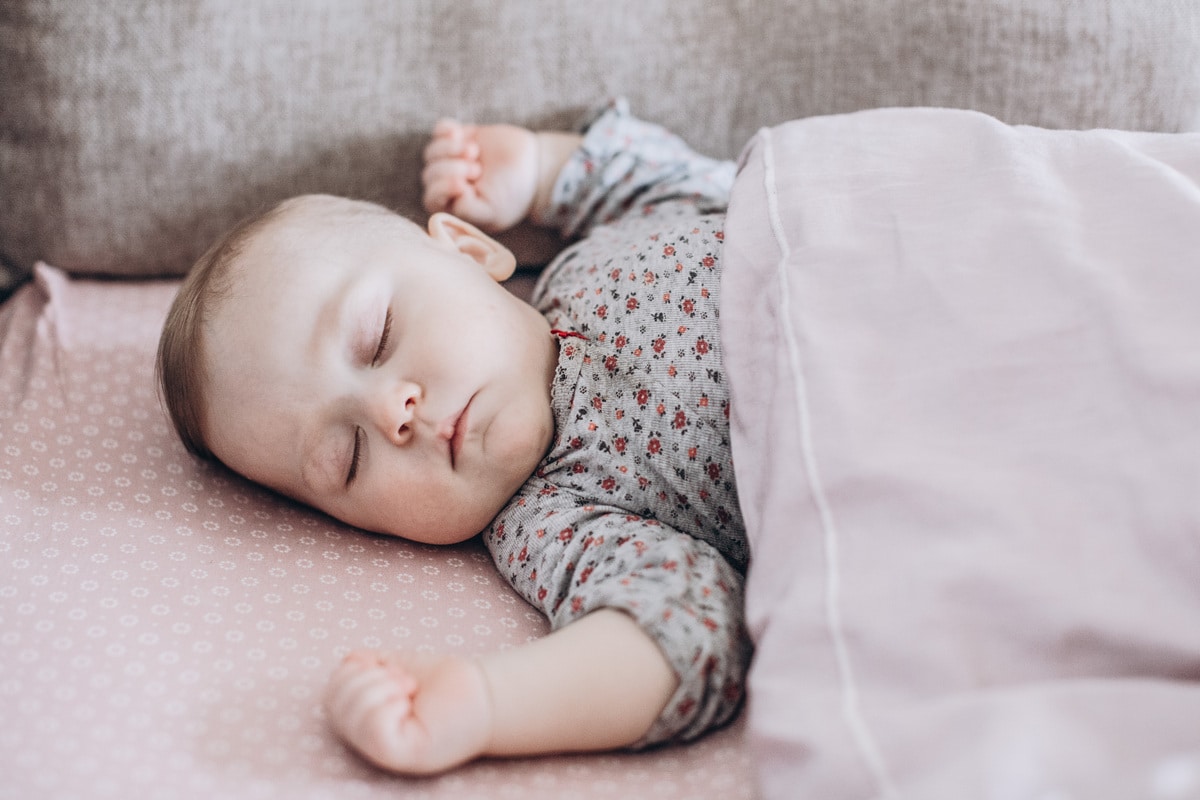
(518, 442)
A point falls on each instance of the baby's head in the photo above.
(345, 357)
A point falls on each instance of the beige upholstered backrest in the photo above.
(132, 133)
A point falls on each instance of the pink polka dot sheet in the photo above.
(166, 628)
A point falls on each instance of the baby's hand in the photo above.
(412, 714)
(484, 174)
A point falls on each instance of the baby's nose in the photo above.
(395, 409)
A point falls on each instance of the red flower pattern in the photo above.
(641, 416)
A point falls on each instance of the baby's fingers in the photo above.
(451, 172)
(452, 139)
(357, 696)
(448, 126)
(447, 181)
(439, 149)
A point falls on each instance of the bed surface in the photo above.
(166, 624)
(165, 628)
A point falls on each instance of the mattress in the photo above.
(166, 628)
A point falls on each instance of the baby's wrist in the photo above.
(490, 746)
(554, 149)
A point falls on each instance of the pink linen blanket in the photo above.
(965, 362)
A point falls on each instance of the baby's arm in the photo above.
(596, 684)
(493, 176)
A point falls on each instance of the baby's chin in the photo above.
(455, 522)
(437, 535)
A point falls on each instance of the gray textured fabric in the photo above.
(132, 133)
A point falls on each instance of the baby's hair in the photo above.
(180, 360)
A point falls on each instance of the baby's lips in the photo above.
(406, 685)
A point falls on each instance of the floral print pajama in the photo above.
(635, 506)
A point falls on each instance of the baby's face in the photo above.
(385, 378)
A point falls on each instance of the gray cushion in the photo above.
(132, 133)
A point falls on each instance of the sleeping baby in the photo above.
(350, 359)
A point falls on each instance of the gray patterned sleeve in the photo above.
(582, 557)
(627, 166)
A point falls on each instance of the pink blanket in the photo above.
(965, 360)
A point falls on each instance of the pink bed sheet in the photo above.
(166, 628)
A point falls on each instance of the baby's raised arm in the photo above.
(493, 176)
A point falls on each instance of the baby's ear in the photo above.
(495, 258)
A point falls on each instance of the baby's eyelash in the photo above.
(383, 338)
(354, 458)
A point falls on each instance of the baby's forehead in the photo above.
(304, 243)
(319, 224)
(284, 243)
(292, 223)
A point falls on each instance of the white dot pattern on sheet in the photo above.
(166, 629)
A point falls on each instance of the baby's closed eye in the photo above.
(385, 336)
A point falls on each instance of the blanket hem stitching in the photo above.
(851, 705)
